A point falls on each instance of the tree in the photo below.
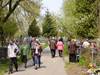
(81, 17)
(12, 6)
(34, 29)
(49, 25)
(17, 13)
(31, 9)
(69, 18)
(87, 18)
(7, 31)
(10, 28)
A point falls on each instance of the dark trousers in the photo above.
(33, 60)
(60, 53)
(39, 60)
(13, 61)
(33, 56)
(24, 60)
(53, 52)
(72, 57)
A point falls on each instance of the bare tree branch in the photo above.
(12, 10)
(2, 6)
(1, 3)
(10, 5)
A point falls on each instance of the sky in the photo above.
(54, 6)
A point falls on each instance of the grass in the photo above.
(82, 61)
(74, 69)
(3, 66)
(65, 50)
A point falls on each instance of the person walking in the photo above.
(33, 47)
(52, 46)
(37, 55)
(60, 47)
(12, 55)
(24, 48)
(72, 48)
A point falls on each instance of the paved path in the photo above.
(50, 66)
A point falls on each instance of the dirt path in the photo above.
(50, 66)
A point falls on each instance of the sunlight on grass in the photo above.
(3, 66)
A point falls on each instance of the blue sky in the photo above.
(54, 6)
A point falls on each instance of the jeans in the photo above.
(24, 60)
(37, 59)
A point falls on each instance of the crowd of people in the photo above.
(56, 44)
(24, 47)
(75, 48)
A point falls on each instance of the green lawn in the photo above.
(3, 66)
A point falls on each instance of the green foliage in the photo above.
(34, 29)
(87, 27)
(85, 57)
(32, 7)
(13, 9)
(3, 66)
(49, 25)
(81, 17)
(10, 28)
(7, 31)
(86, 23)
(65, 50)
(82, 61)
(69, 20)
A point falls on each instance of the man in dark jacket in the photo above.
(52, 46)
(72, 51)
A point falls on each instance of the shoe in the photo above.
(39, 66)
(16, 70)
(25, 66)
(10, 72)
(33, 64)
(35, 68)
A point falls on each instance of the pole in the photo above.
(92, 57)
